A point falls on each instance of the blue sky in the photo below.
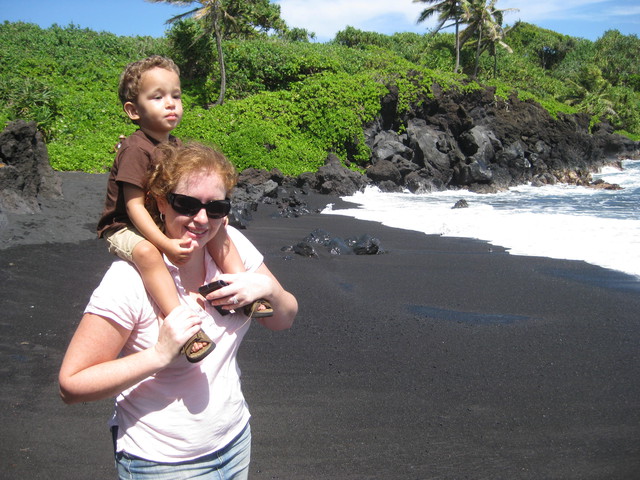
(579, 18)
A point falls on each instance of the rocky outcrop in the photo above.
(289, 194)
(333, 178)
(479, 142)
(25, 173)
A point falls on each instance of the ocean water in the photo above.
(601, 227)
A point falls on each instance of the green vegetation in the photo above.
(289, 101)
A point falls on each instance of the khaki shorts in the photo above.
(122, 242)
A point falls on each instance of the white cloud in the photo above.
(327, 17)
(631, 12)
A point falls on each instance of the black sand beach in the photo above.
(441, 359)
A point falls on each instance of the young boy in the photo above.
(151, 96)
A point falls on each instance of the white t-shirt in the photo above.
(186, 410)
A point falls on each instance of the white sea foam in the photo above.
(601, 227)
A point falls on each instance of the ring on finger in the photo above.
(234, 300)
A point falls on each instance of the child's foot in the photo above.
(198, 347)
(259, 309)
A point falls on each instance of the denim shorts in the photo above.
(228, 463)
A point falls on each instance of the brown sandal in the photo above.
(253, 310)
(201, 337)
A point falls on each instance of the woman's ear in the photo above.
(131, 110)
(163, 206)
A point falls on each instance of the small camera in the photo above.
(205, 290)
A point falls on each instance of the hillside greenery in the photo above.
(289, 103)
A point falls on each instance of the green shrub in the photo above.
(31, 99)
(292, 130)
(354, 38)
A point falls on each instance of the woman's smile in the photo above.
(197, 232)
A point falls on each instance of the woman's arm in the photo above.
(91, 369)
(284, 304)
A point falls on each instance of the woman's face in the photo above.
(205, 187)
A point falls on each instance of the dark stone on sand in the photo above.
(26, 177)
(318, 237)
(364, 244)
(305, 249)
(338, 246)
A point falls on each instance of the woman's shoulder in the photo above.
(122, 275)
(122, 267)
(121, 296)
(121, 290)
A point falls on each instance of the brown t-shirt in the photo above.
(131, 165)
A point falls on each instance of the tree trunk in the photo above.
(475, 69)
(495, 62)
(223, 72)
(455, 70)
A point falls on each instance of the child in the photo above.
(151, 96)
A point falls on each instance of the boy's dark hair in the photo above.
(129, 87)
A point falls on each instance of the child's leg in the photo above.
(155, 276)
(225, 253)
(160, 285)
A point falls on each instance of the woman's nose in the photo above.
(201, 216)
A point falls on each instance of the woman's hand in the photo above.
(245, 288)
(178, 327)
(242, 289)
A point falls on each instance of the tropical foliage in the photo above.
(290, 101)
(229, 19)
(482, 19)
(447, 10)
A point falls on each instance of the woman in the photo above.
(175, 419)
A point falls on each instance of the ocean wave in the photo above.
(601, 227)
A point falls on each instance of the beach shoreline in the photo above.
(441, 358)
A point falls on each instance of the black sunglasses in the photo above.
(189, 206)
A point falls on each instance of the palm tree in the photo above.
(485, 21)
(446, 10)
(495, 35)
(241, 18)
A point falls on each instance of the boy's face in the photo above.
(158, 108)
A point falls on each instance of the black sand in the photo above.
(442, 359)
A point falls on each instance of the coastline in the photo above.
(442, 358)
